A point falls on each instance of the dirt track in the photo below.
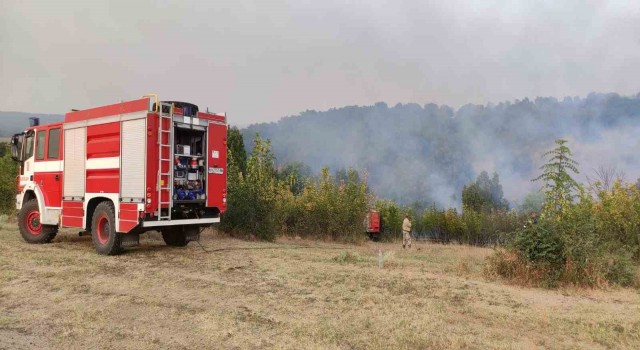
(290, 294)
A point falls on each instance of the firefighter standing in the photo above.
(406, 232)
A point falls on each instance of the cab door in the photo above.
(47, 166)
(26, 168)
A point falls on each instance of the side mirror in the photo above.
(16, 147)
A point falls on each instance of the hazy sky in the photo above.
(259, 61)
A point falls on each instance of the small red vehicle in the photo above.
(372, 225)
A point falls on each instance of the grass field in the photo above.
(289, 294)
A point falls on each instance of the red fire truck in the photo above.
(120, 170)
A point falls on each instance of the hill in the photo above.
(427, 153)
(14, 122)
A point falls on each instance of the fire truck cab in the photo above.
(120, 170)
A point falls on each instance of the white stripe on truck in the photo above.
(103, 163)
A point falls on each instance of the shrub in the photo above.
(265, 206)
(328, 209)
(579, 240)
(8, 173)
(252, 197)
(470, 227)
(347, 258)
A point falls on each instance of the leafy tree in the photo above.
(533, 202)
(295, 175)
(252, 196)
(235, 147)
(342, 175)
(558, 186)
(473, 198)
(485, 194)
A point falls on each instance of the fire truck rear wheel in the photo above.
(31, 229)
(175, 236)
(103, 230)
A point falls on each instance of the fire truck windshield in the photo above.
(28, 146)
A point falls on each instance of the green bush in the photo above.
(579, 239)
(446, 226)
(347, 258)
(252, 197)
(8, 173)
(391, 216)
(327, 209)
(539, 244)
(265, 205)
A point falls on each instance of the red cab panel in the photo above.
(50, 184)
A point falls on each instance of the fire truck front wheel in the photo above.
(31, 229)
(103, 230)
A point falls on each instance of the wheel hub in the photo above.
(33, 223)
(103, 229)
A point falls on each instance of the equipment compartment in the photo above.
(189, 164)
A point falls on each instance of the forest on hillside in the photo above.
(413, 153)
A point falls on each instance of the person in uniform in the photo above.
(406, 232)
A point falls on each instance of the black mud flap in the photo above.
(192, 233)
(130, 239)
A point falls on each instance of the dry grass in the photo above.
(290, 294)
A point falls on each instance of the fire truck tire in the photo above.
(103, 230)
(175, 237)
(31, 229)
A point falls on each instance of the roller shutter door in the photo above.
(133, 152)
(75, 141)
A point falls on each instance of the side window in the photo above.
(40, 143)
(54, 144)
(28, 146)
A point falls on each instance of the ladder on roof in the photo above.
(165, 160)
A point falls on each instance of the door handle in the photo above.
(57, 177)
